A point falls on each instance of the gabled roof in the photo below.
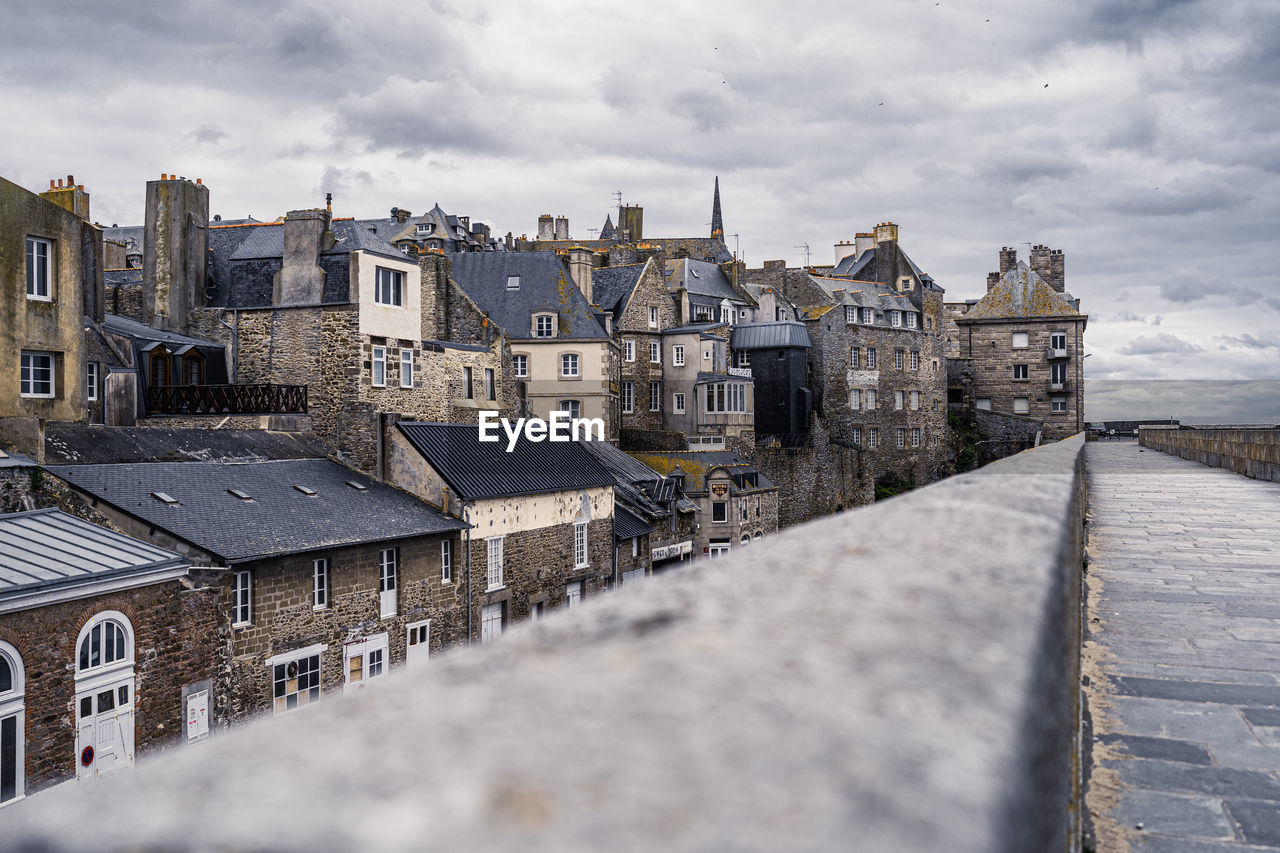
(351, 236)
(484, 469)
(142, 332)
(627, 526)
(773, 335)
(1021, 292)
(608, 232)
(114, 278)
(48, 547)
(700, 278)
(279, 519)
(611, 287)
(267, 241)
(544, 287)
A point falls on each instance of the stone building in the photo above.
(777, 354)
(434, 231)
(703, 293)
(540, 517)
(107, 649)
(561, 355)
(1019, 349)
(710, 400)
(314, 599)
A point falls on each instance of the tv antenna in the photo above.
(617, 197)
(735, 246)
(804, 246)
(593, 231)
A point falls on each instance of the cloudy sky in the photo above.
(1141, 137)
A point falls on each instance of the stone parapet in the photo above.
(1250, 450)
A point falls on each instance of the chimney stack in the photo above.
(546, 227)
(562, 228)
(328, 203)
(69, 196)
(301, 280)
(993, 278)
(582, 262)
(1057, 277)
(1008, 259)
(175, 249)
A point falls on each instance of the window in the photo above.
(365, 660)
(493, 576)
(901, 435)
(868, 316)
(897, 359)
(677, 403)
(871, 398)
(873, 438)
(726, 314)
(895, 318)
(898, 398)
(573, 594)
(417, 642)
(37, 374)
(857, 436)
(543, 327)
(855, 399)
(319, 584)
(719, 511)
(389, 287)
(1021, 405)
(513, 282)
(628, 350)
(490, 392)
(850, 314)
(718, 547)
(911, 319)
(854, 360)
(915, 360)
(677, 356)
(655, 352)
(1058, 404)
(871, 358)
(742, 509)
(193, 368)
(983, 403)
(627, 395)
(91, 380)
(655, 396)
(573, 407)
(779, 314)
(746, 539)
(1058, 374)
(38, 278)
(406, 368)
(12, 728)
(535, 610)
(706, 354)
(915, 436)
(742, 358)
(1058, 341)
(468, 390)
(1019, 340)
(158, 367)
(726, 397)
(241, 599)
(446, 561)
(520, 366)
(1020, 371)
(492, 618)
(653, 316)
(388, 581)
(379, 367)
(580, 545)
(568, 364)
(915, 400)
(295, 683)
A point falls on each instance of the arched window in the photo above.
(159, 367)
(746, 539)
(193, 367)
(106, 642)
(12, 688)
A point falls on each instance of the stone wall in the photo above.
(1252, 451)
(816, 480)
(15, 485)
(125, 300)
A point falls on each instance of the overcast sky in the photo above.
(1140, 137)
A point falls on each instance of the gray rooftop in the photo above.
(278, 520)
(628, 526)
(544, 286)
(141, 331)
(48, 546)
(611, 287)
(15, 460)
(769, 335)
(700, 278)
(69, 443)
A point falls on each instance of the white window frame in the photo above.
(714, 506)
(520, 365)
(850, 314)
(544, 326)
(406, 367)
(913, 397)
(871, 399)
(388, 582)
(628, 350)
(1021, 372)
(13, 705)
(871, 358)
(446, 561)
(911, 319)
(899, 398)
(378, 368)
(580, 557)
(873, 438)
(677, 403)
(900, 436)
(370, 668)
(241, 598)
(857, 436)
(655, 352)
(895, 318)
(39, 279)
(913, 360)
(627, 396)
(897, 359)
(915, 436)
(855, 398)
(92, 373)
(573, 593)
(1058, 405)
(492, 615)
(868, 316)
(296, 656)
(27, 382)
(389, 287)
(493, 567)
(653, 316)
(513, 282)
(569, 366)
(655, 396)
(1057, 374)
(573, 407)
(855, 359)
(320, 583)
(677, 355)
(1055, 338)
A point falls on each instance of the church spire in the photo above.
(717, 221)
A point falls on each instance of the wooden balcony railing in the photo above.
(226, 399)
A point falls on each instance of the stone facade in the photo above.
(643, 340)
(1253, 452)
(819, 478)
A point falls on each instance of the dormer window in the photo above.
(911, 319)
(544, 326)
(425, 227)
(895, 318)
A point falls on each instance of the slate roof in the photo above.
(864, 267)
(696, 464)
(476, 469)
(1021, 292)
(769, 335)
(611, 287)
(279, 520)
(624, 468)
(47, 547)
(608, 232)
(267, 241)
(124, 233)
(627, 526)
(141, 331)
(544, 286)
(114, 278)
(15, 460)
(700, 278)
(68, 443)
(693, 328)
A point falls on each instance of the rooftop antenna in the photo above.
(735, 246)
(804, 246)
(617, 197)
(593, 231)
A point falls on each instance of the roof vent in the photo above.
(695, 273)
(165, 499)
(236, 493)
(308, 492)
(359, 487)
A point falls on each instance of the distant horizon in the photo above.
(1189, 401)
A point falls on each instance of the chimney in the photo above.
(631, 219)
(993, 278)
(175, 249)
(546, 227)
(562, 228)
(844, 250)
(862, 241)
(582, 262)
(1057, 277)
(444, 499)
(300, 280)
(1008, 259)
(71, 197)
(328, 203)
(400, 214)
(886, 232)
(1040, 261)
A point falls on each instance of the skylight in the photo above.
(308, 492)
(513, 282)
(236, 493)
(165, 499)
(359, 487)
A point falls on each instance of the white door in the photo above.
(417, 643)
(388, 581)
(573, 593)
(490, 622)
(364, 661)
(104, 737)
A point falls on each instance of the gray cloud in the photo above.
(1162, 343)
(206, 134)
(1248, 341)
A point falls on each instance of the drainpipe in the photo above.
(466, 517)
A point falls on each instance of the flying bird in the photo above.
(881, 104)
(1046, 85)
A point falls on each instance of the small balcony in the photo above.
(266, 399)
(1063, 387)
(1055, 354)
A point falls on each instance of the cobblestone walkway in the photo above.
(1182, 656)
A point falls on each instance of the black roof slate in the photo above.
(476, 469)
(279, 520)
(627, 526)
(611, 287)
(544, 286)
(68, 443)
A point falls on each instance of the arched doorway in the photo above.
(12, 746)
(104, 695)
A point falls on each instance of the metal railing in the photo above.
(226, 399)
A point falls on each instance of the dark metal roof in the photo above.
(278, 520)
(627, 526)
(625, 469)
(693, 328)
(15, 460)
(476, 469)
(48, 546)
(84, 444)
(544, 286)
(141, 331)
(769, 335)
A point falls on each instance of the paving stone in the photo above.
(1198, 691)
(1174, 814)
(1219, 781)
(1262, 716)
(1160, 748)
(1148, 843)
(1259, 822)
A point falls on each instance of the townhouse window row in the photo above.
(855, 358)
(894, 317)
(627, 396)
(725, 397)
(378, 367)
(468, 384)
(901, 436)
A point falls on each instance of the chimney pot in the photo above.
(52, 184)
(71, 180)
(164, 176)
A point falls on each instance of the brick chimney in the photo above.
(993, 278)
(72, 196)
(1057, 277)
(886, 232)
(1040, 260)
(546, 227)
(562, 228)
(175, 249)
(301, 280)
(581, 263)
(1008, 259)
